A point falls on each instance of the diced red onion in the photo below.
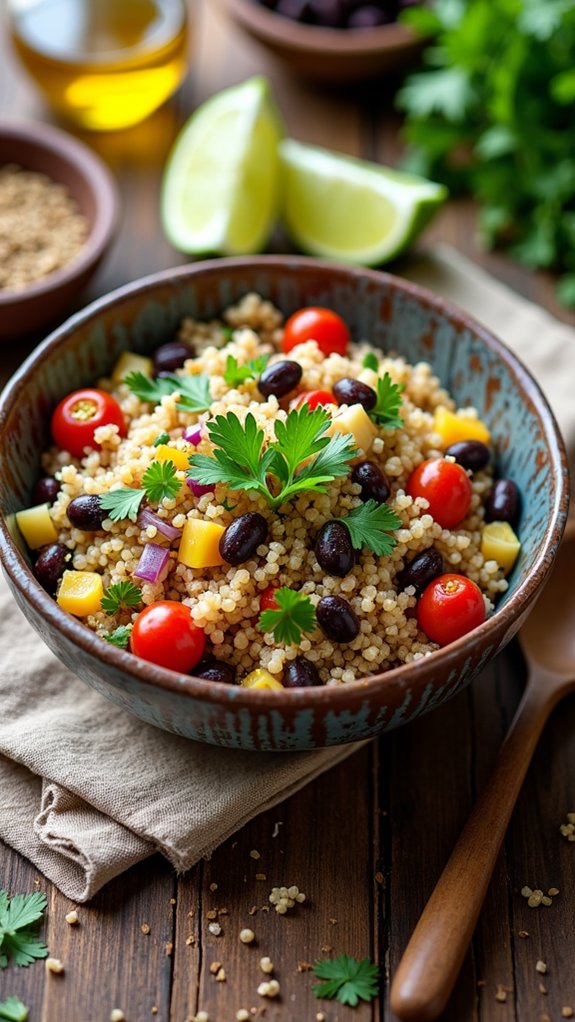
(152, 566)
(193, 435)
(148, 517)
(198, 489)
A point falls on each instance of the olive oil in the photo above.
(105, 64)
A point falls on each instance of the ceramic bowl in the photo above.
(67, 161)
(390, 313)
(326, 54)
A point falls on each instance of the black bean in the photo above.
(421, 570)
(215, 670)
(334, 550)
(369, 17)
(242, 538)
(503, 502)
(300, 673)
(280, 378)
(171, 356)
(86, 512)
(337, 619)
(470, 454)
(50, 566)
(46, 490)
(353, 392)
(374, 483)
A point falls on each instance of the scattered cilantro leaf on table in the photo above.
(159, 482)
(235, 374)
(120, 637)
(347, 979)
(389, 400)
(19, 942)
(194, 390)
(301, 458)
(13, 1010)
(369, 524)
(120, 596)
(296, 614)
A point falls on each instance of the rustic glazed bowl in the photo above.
(390, 313)
(61, 157)
(327, 54)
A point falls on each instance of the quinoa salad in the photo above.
(272, 504)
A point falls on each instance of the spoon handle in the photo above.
(431, 962)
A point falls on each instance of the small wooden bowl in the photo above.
(331, 55)
(65, 160)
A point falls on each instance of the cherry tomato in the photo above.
(165, 634)
(79, 414)
(446, 486)
(313, 398)
(316, 324)
(268, 599)
(449, 607)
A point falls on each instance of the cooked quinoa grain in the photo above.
(225, 600)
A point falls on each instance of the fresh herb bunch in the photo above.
(194, 390)
(347, 979)
(295, 615)
(300, 459)
(235, 374)
(495, 115)
(160, 481)
(19, 941)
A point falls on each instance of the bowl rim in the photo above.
(91, 168)
(327, 697)
(314, 39)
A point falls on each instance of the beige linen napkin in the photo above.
(86, 790)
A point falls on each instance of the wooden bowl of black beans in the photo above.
(334, 41)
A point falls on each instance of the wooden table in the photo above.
(366, 842)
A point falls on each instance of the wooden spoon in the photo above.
(431, 962)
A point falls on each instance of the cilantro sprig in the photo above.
(194, 390)
(13, 1010)
(369, 524)
(294, 616)
(301, 458)
(120, 596)
(389, 400)
(19, 941)
(120, 637)
(347, 979)
(235, 374)
(159, 482)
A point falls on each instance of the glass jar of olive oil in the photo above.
(104, 64)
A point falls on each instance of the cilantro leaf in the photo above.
(370, 361)
(237, 458)
(13, 1010)
(18, 939)
(385, 411)
(298, 438)
(162, 438)
(24, 947)
(296, 615)
(347, 979)
(22, 910)
(123, 503)
(194, 390)
(120, 596)
(120, 637)
(160, 481)
(369, 524)
(148, 389)
(235, 374)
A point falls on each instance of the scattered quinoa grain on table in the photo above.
(304, 520)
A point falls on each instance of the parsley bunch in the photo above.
(18, 938)
(160, 481)
(194, 390)
(301, 458)
(347, 979)
(495, 115)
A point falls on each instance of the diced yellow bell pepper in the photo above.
(129, 362)
(36, 526)
(452, 428)
(80, 592)
(499, 543)
(260, 678)
(199, 545)
(356, 421)
(180, 459)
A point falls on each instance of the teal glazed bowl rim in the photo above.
(499, 627)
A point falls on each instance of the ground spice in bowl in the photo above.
(41, 228)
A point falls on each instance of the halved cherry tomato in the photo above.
(313, 398)
(164, 633)
(268, 599)
(449, 607)
(446, 486)
(78, 415)
(316, 324)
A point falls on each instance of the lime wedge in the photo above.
(351, 210)
(220, 191)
